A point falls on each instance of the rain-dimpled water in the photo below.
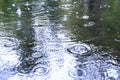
(59, 40)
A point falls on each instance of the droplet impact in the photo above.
(41, 70)
(89, 24)
(110, 78)
(77, 72)
(66, 6)
(19, 12)
(80, 49)
(85, 17)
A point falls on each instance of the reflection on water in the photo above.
(59, 40)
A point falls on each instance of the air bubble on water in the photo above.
(85, 17)
(27, 4)
(101, 19)
(89, 24)
(109, 6)
(77, 13)
(19, 12)
(74, 2)
(13, 5)
(28, 8)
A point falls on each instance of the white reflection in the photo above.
(65, 18)
(8, 57)
(112, 73)
(13, 5)
(19, 12)
(89, 24)
(85, 17)
(19, 24)
(66, 6)
(62, 73)
(27, 4)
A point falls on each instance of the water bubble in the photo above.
(13, 5)
(109, 6)
(27, 4)
(81, 49)
(89, 24)
(19, 12)
(75, 3)
(85, 17)
(77, 13)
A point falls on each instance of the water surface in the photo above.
(59, 40)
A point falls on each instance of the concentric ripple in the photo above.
(110, 78)
(66, 6)
(41, 70)
(81, 49)
(77, 72)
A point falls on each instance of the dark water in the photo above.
(59, 40)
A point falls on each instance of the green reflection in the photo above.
(105, 30)
(12, 25)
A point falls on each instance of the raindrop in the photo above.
(66, 6)
(19, 12)
(109, 6)
(101, 19)
(77, 13)
(117, 40)
(27, 4)
(24, 69)
(41, 70)
(77, 73)
(81, 49)
(85, 17)
(89, 24)
(13, 5)
(75, 2)
(110, 78)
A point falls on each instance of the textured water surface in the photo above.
(59, 40)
